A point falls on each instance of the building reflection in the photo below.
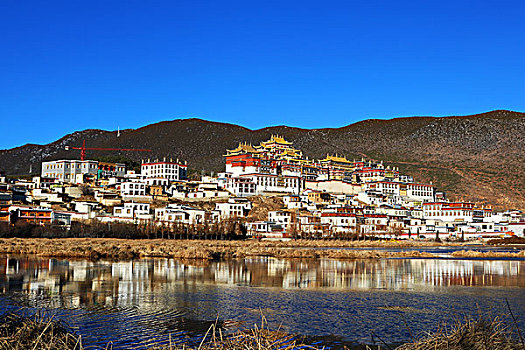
(106, 283)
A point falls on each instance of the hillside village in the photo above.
(271, 190)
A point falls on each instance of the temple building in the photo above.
(275, 156)
(275, 166)
(337, 167)
(272, 166)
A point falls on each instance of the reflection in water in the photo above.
(151, 298)
(132, 278)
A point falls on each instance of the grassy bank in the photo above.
(36, 332)
(471, 335)
(487, 255)
(507, 241)
(109, 248)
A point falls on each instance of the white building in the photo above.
(374, 224)
(339, 222)
(157, 181)
(173, 171)
(258, 227)
(333, 186)
(310, 224)
(280, 216)
(85, 207)
(294, 202)
(67, 170)
(131, 210)
(212, 190)
(132, 189)
(74, 170)
(483, 226)
(45, 195)
(234, 208)
(420, 192)
(241, 186)
(516, 228)
(275, 183)
(393, 211)
(371, 198)
(245, 184)
(179, 214)
(385, 187)
(265, 229)
(448, 212)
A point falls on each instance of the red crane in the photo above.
(84, 148)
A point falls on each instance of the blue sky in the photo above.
(73, 65)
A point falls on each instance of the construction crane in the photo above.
(84, 148)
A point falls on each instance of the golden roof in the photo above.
(292, 152)
(277, 139)
(335, 158)
(242, 148)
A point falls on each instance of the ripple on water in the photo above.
(136, 304)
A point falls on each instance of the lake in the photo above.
(139, 303)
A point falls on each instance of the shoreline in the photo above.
(121, 249)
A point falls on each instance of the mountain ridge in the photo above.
(478, 157)
(478, 115)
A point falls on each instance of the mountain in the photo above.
(477, 157)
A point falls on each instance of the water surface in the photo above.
(137, 303)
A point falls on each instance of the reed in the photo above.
(260, 337)
(479, 334)
(42, 333)
(507, 241)
(122, 249)
(488, 255)
(36, 332)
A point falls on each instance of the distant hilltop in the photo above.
(478, 157)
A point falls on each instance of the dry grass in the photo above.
(257, 338)
(487, 255)
(35, 332)
(110, 248)
(41, 333)
(508, 240)
(261, 205)
(470, 335)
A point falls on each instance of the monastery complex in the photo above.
(319, 198)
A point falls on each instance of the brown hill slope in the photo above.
(479, 157)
